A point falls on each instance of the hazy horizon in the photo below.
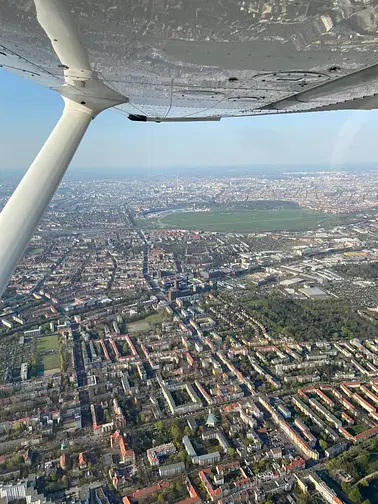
(197, 171)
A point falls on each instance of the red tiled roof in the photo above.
(149, 490)
(188, 500)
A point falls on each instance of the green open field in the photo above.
(47, 353)
(252, 220)
(157, 318)
(51, 361)
(47, 343)
(139, 326)
(146, 323)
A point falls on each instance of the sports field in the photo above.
(47, 354)
(51, 361)
(47, 343)
(251, 220)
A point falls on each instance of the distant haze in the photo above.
(88, 173)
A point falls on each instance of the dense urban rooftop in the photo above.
(144, 362)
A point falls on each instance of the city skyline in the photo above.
(29, 112)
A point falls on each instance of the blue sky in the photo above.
(28, 112)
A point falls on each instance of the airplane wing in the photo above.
(208, 59)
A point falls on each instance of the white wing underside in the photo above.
(207, 59)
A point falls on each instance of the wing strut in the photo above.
(27, 204)
(84, 95)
